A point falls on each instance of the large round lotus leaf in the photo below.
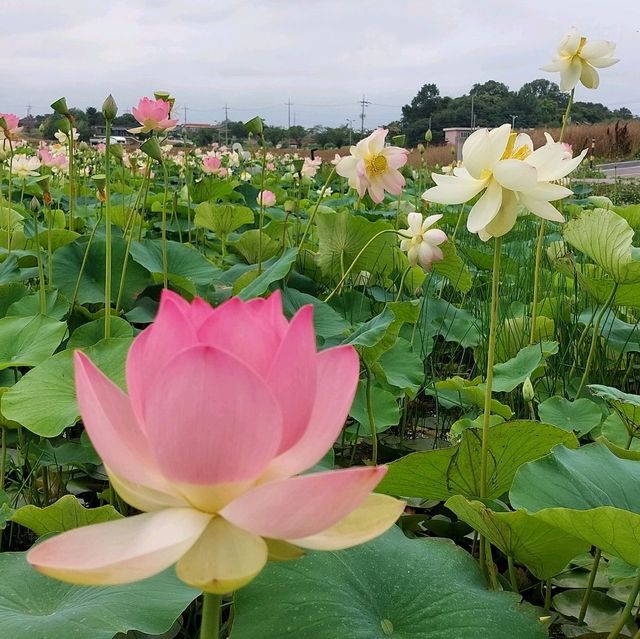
(27, 341)
(390, 587)
(67, 264)
(440, 474)
(590, 493)
(44, 400)
(33, 606)
(543, 548)
(581, 415)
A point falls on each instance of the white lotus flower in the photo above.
(421, 242)
(512, 175)
(578, 59)
(23, 167)
(63, 137)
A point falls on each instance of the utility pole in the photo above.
(29, 107)
(185, 113)
(473, 115)
(364, 103)
(289, 123)
(226, 125)
(350, 123)
(513, 121)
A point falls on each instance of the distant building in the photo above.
(456, 136)
(100, 130)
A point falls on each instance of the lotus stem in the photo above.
(588, 591)
(626, 611)
(358, 256)
(536, 281)
(165, 264)
(261, 213)
(312, 217)
(371, 416)
(512, 574)
(493, 327)
(594, 338)
(211, 613)
(107, 222)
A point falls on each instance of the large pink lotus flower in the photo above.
(153, 115)
(13, 128)
(226, 407)
(373, 167)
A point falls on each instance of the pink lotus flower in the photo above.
(373, 167)
(226, 407)
(53, 160)
(13, 128)
(153, 115)
(266, 198)
(211, 164)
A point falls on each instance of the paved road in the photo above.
(621, 169)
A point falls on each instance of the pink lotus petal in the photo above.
(236, 328)
(151, 350)
(337, 379)
(304, 505)
(270, 310)
(112, 425)
(121, 551)
(292, 377)
(199, 312)
(210, 419)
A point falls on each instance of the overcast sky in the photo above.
(255, 55)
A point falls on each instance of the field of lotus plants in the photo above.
(260, 396)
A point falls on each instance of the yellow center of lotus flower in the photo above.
(376, 164)
(513, 153)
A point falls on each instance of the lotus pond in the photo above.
(252, 394)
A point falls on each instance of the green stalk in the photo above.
(315, 209)
(371, 416)
(401, 285)
(108, 247)
(594, 338)
(589, 590)
(567, 113)
(536, 281)
(626, 612)
(261, 214)
(211, 613)
(9, 194)
(493, 327)
(512, 575)
(165, 265)
(41, 289)
(71, 179)
(358, 256)
(540, 240)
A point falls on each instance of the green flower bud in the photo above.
(35, 204)
(528, 393)
(60, 107)
(116, 150)
(100, 180)
(109, 109)
(428, 136)
(255, 126)
(151, 147)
